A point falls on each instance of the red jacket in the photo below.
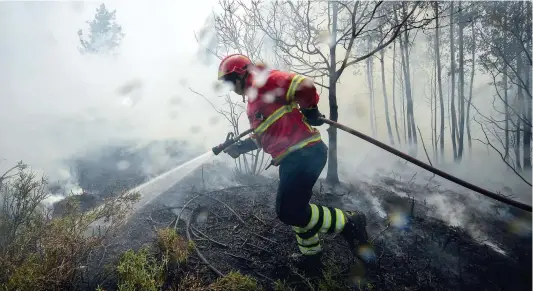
(273, 112)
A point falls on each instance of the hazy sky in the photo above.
(55, 102)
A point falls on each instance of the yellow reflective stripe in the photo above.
(339, 225)
(326, 221)
(296, 80)
(307, 124)
(315, 137)
(312, 222)
(307, 242)
(274, 117)
(310, 251)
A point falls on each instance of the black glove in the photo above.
(241, 147)
(312, 116)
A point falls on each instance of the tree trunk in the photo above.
(439, 79)
(394, 91)
(506, 99)
(519, 109)
(402, 79)
(406, 127)
(411, 129)
(407, 124)
(471, 88)
(410, 114)
(526, 116)
(385, 100)
(370, 81)
(517, 144)
(461, 97)
(332, 176)
(452, 105)
(507, 115)
(434, 112)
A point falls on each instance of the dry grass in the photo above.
(235, 281)
(39, 252)
(190, 282)
(173, 246)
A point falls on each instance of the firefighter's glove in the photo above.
(241, 147)
(313, 115)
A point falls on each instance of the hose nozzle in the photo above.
(230, 139)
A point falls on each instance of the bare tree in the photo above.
(394, 92)
(461, 89)
(439, 77)
(235, 32)
(452, 73)
(472, 74)
(256, 163)
(345, 24)
(505, 53)
(385, 98)
(406, 67)
(370, 82)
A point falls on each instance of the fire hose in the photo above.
(231, 139)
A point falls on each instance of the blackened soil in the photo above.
(236, 229)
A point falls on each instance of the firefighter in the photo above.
(282, 110)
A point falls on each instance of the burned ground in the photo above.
(234, 228)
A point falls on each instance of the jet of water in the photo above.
(158, 185)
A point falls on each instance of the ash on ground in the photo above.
(418, 242)
(236, 229)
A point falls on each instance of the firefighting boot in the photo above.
(310, 265)
(354, 231)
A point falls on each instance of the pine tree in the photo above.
(105, 35)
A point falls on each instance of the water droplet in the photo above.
(279, 92)
(269, 97)
(195, 129)
(77, 6)
(366, 252)
(213, 120)
(176, 100)
(324, 37)
(399, 220)
(203, 215)
(129, 87)
(126, 101)
(260, 77)
(252, 93)
(520, 227)
(173, 114)
(307, 82)
(123, 165)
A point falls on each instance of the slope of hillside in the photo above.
(234, 227)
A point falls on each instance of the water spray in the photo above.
(156, 186)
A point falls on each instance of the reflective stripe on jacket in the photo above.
(273, 112)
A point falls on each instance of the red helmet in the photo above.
(235, 63)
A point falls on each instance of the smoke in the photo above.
(56, 104)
